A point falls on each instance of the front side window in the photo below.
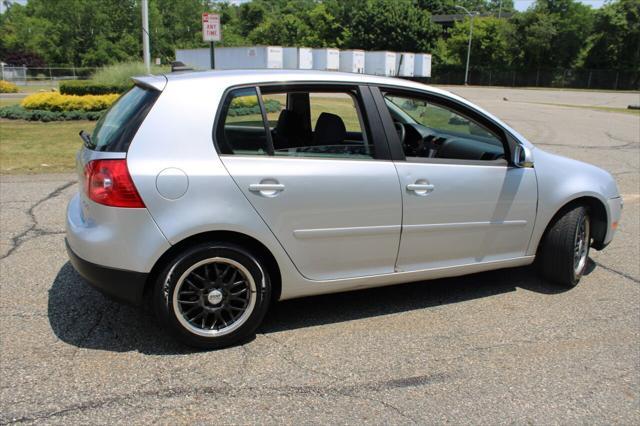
(301, 123)
(434, 130)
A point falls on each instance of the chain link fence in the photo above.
(21, 75)
(561, 78)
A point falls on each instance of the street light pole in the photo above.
(145, 35)
(471, 15)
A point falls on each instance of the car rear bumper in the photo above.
(118, 284)
(118, 238)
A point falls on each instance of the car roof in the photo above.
(229, 78)
(258, 76)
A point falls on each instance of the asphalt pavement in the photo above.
(497, 347)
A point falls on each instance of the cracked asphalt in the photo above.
(497, 347)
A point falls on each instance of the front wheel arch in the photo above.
(597, 217)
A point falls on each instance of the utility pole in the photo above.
(145, 35)
(471, 15)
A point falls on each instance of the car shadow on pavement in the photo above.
(81, 316)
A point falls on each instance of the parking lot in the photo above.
(497, 347)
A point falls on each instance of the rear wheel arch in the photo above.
(597, 218)
(251, 244)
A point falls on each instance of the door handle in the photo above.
(420, 187)
(267, 189)
(259, 187)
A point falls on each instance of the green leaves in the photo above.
(550, 34)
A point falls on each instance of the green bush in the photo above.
(120, 74)
(271, 105)
(16, 112)
(89, 87)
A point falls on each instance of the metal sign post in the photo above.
(211, 32)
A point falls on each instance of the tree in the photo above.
(391, 25)
(615, 42)
(491, 44)
(552, 32)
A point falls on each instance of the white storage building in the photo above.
(422, 65)
(405, 62)
(255, 57)
(198, 59)
(380, 63)
(352, 61)
(297, 58)
(326, 59)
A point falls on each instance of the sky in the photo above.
(524, 4)
(520, 4)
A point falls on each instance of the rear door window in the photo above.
(117, 127)
(300, 122)
(242, 131)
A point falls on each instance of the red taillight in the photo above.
(108, 182)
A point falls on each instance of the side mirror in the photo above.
(522, 156)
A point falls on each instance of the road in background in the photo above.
(497, 347)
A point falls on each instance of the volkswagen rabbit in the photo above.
(212, 195)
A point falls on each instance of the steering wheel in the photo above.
(401, 131)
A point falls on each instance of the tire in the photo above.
(562, 258)
(212, 295)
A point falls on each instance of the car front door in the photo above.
(462, 201)
(319, 176)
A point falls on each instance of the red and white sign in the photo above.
(211, 28)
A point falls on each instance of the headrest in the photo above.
(329, 130)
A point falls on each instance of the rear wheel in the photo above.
(212, 295)
(564, 251)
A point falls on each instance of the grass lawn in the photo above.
(35, 147)
(32, 88)
(340, 104)
(10, 101)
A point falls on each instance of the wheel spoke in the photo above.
(188, 311)
(239, 292)
(198, 315)
(236, 284)
(233, 277)
(191, 284)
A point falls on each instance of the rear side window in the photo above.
(117, 127)
(243, 131)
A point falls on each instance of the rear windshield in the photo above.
(117, 127)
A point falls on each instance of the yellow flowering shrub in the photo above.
(6, 87)
(54, 101)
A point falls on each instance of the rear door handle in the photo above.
(259, 187)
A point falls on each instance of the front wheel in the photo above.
(212, 295)
(565, 248)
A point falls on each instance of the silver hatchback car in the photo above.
(215, 194)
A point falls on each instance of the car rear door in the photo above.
(462, 201)
(331, 196)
